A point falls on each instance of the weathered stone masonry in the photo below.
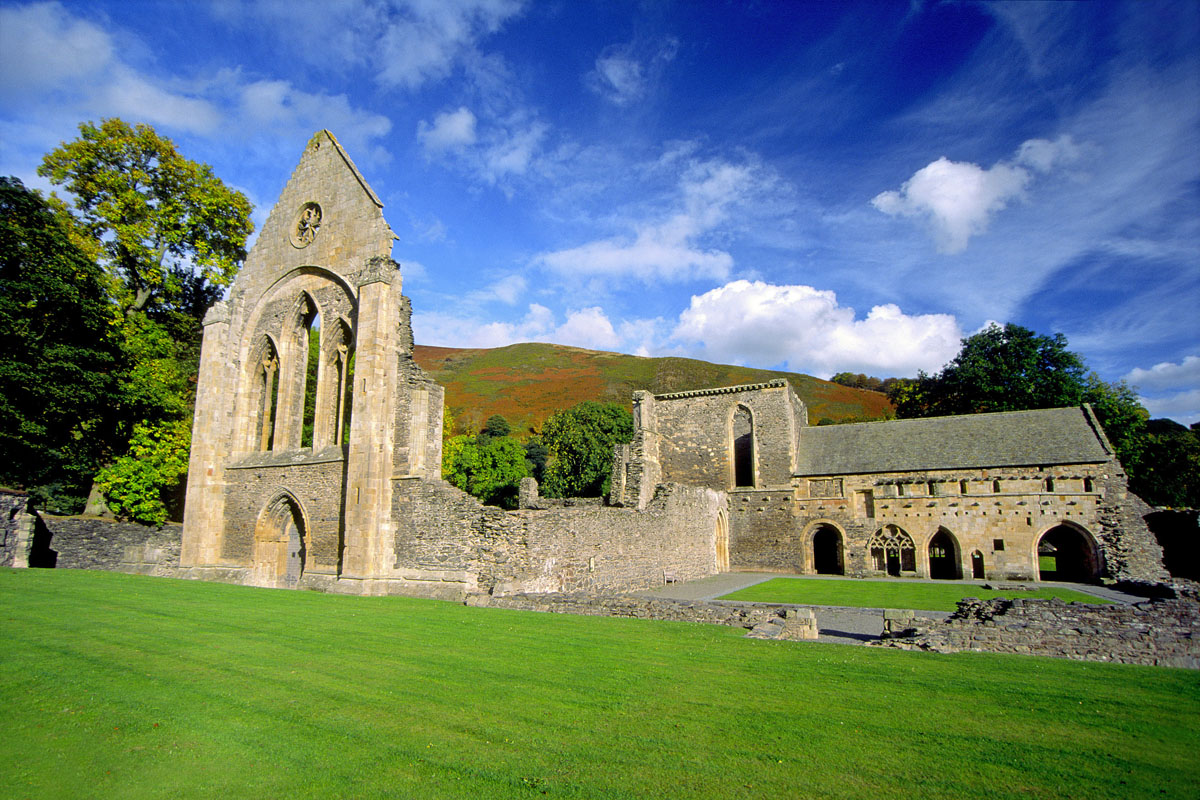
(362, 507)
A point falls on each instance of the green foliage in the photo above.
(490, 469)
(59, 354)
(169, 230)
(536, 455)
(1169, 472)
(580, 442)
(857, 380)
(1121, 415)
(495, 427)
(1007, 368)
(138, 485)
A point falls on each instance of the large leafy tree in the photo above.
(168, 230)
(580, 443)
(1001, 368)
(168, 235)
(60, 354)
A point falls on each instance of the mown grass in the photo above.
(886, 594)
(120, 686)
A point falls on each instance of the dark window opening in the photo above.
(997, 545)
(743, 448)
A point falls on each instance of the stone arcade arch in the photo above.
(721, 541)
(945, 562)
(281, 543)
(892, 551)
(1067, 553)
(742, 447)
(264, 391)
(827, 551)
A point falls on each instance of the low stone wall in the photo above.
(634, 606)
(98, 543)
(1156, 632)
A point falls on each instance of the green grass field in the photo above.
(886, 594)
(118, 686)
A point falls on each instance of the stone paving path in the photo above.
(837, 623)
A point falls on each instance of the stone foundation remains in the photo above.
(1161, 632)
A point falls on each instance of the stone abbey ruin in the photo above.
(723, 478)
(349, 497)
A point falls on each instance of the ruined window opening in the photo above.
(865, 503)
(892, 551)
(933, 488)
(962, 487)
(1050, 485)
(997, 545)
(1089, 485)
(743, 448)
(996, 487)
(268, 387)
(311, 333)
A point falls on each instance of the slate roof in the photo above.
(1006, 439)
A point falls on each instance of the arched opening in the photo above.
(977, 570)
(1067, 554)
(343, 370)
(280, 544)
(743, 447)
(892, 551)
(266, 388)
(310, 324)
(721, 540)
(943, 556)
(827, 551)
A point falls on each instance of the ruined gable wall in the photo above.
(695, 435)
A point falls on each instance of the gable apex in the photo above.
(314, 142)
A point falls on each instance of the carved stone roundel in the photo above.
(308, 223)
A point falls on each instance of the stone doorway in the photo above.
(943, 556)
(1065, 553)
(280, 545)
(977, 571)
(827, 551)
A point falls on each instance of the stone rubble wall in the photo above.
(1163, 632)
(636, 607)
(98, 543)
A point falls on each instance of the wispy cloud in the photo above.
(623, 73)
(583, 327)
(405, 43)
(449, 130)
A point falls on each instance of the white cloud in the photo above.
(679, 245)
(1167, 376)
(957, 198)
(805, 328)
(508, 289)
(279, 109)
(511, 152)
(450, 130)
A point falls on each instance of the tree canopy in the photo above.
(580, 443)
(60, 354)
(490, 468)
(168, 231)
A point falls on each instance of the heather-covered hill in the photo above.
(527, 382)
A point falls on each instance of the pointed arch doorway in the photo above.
(280, 544)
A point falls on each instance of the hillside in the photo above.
(527, 382)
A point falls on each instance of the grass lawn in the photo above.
(119, 686)
(885, 594)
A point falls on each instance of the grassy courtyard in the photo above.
(888, 594)
(117, 686)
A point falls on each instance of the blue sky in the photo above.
(814, 186)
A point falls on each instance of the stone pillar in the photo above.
(204, 517)
(368, 524)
